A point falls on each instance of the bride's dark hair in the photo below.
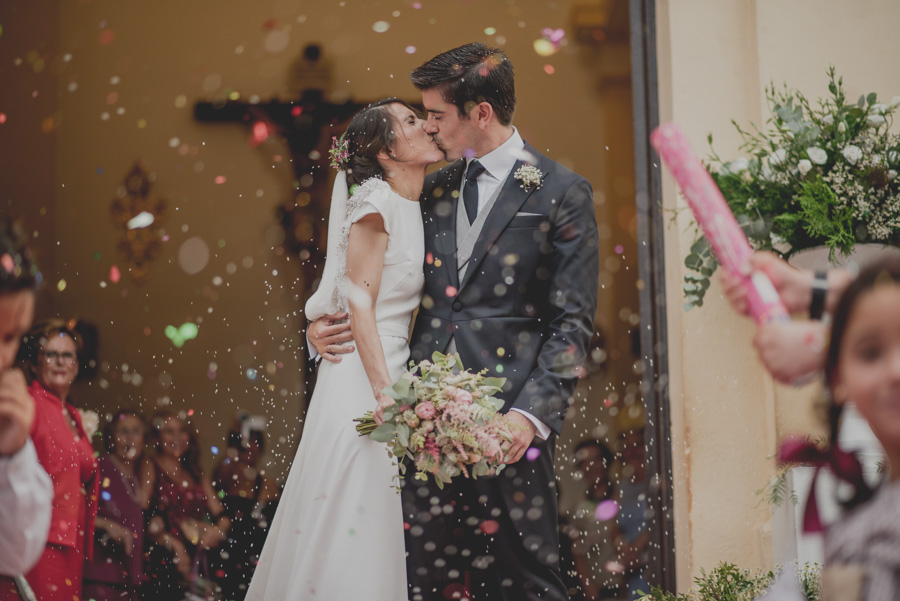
(371, 130)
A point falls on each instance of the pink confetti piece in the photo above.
(532, 453)
(8, 263)
(114, 274)
(554, 36)
(606, 510)
(2, 118)
(220, 179)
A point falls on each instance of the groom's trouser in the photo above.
(498, 535)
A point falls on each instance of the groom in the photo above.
(511, 284)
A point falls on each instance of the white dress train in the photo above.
(338, 531)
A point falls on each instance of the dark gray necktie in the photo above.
(470, 190)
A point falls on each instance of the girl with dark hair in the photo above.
(338, 530)
(117, 569)
(186, 517)
(862, 365)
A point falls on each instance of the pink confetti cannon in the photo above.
(716, 220)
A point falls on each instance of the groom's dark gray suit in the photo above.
(524, 310)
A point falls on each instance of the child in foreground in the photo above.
(862, 549)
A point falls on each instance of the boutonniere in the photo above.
(90, 421)
(530, 176)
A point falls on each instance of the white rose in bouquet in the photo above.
(817, 155)
(852, 153)
(804, 166)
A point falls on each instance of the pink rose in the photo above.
(462, 396)
(448, 392)
(425, 410)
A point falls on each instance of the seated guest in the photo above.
(50, 351)
(248, 496)
(117, 568)
(185, 516)
(26, 493)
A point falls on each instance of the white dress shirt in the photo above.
(26, 502)
(497, 165)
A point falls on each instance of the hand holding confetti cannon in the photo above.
(717, 221)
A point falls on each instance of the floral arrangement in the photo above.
(815, 176)
(445, 420)
(727, 581)
(530, 176)
(340, 152)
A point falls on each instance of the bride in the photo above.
(338, 531)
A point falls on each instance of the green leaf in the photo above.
(871, 98)
(403, 435)
(693, 261)
(700, 246)
(384, 433)
(492, 381)
(861, 103)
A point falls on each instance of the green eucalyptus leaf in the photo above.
(693, 261)
(384, 433)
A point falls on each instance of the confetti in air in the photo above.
(114, 274)
(606, 510)
(381, 26)
(141, 220)
(180, 335)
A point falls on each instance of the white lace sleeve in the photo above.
(371, 196)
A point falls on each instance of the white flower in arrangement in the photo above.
(529, 175)
(804, 166)
(878, 109)
(893, 156)
(852, 153)
(817, 155)
(892, 175)
(876, 120)
(895, 102)
(842, 127)
(738, 165)
(779, 243)
(765, 172)
(90, 421)
(828, 119)
(777, 157)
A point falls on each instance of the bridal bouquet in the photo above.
(445, 420)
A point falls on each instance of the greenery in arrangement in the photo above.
(727, 582)
(814, 176)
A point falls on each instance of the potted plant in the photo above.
(814, 176)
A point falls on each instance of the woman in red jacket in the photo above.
(65, 452)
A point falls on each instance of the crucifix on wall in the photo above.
(300, 123)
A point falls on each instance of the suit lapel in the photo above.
(512, 197)
(446, 219)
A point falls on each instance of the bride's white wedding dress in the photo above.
(338, 531)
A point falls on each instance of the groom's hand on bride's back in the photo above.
(329, 334)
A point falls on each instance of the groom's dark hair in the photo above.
(469, 75)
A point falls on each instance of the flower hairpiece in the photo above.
(529, 175)
(340, 152)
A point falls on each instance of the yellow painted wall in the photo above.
(715, 59)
